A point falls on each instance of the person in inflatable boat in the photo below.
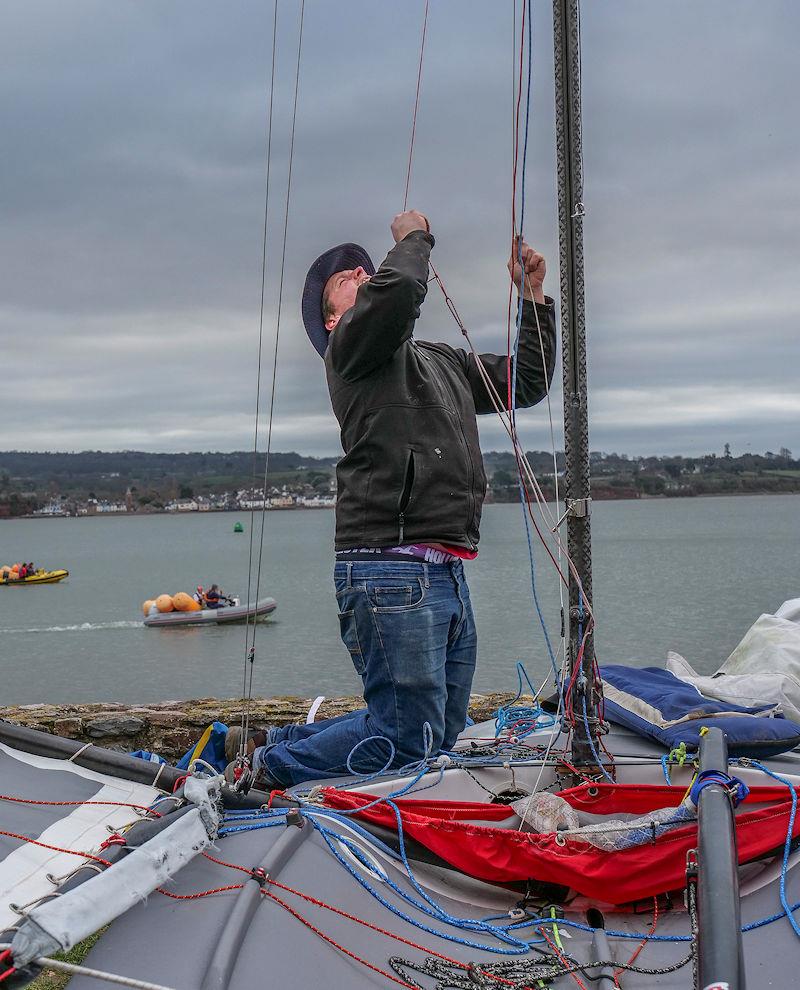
(214, 597)
(411, 486)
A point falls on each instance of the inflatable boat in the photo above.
(210, 616)
(40, 577)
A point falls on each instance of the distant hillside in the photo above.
(28, 479)
(112, 473)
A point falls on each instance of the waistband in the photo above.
(355, 570)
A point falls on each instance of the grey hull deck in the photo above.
(243, 937)
(213, 616)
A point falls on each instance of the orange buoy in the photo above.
(182, 602)
(164, 603)
(146, 606)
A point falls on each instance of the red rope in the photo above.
(58, 849)
(354, 918)
(232, 866)
(562, 958)
(5, 956)
(643, 943)
(337, 945)
(514, 203)
(67, 804)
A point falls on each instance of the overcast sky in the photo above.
(132, 189)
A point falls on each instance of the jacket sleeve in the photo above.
(385, 310)
(535, 363)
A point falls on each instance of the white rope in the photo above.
(158, 775)
(552, 444)
(315, 707)
(97, 974)
(78, 752)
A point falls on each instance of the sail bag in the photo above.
(469, 836)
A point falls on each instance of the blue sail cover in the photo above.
(654, 703)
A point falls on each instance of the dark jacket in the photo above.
(412, 469)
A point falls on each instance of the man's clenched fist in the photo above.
(404, 223)
(529, 275)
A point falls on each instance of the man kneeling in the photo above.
(411, 486)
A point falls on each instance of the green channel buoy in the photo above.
(238, 528)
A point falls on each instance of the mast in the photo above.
(569, 156)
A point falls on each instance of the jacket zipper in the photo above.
(471, 492)
(405, 494)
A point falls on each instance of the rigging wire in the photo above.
(416, 103)
(506, 414)
(494, 397)
(268, 165)
(250, 654)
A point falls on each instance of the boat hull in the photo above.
(244, 920)
(49, 577)
(213, 616)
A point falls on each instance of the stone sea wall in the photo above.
(169, 728)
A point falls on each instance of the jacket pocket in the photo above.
(405, 494)
(349, 631)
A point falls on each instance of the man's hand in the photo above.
(532, 271)
(404, 223)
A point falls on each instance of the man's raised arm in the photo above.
(535, 360)
(388, 305)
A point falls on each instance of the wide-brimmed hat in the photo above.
(341, 258)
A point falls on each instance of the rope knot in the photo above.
(114, 840)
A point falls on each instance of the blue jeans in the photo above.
(410, 632)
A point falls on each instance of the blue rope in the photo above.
(705, 778)
(787, 846)
(503, 933)
(596, 758)
(231, 829)
(522, 720)
(520, 947)
(370, 776)
(512, 411)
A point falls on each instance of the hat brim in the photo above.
(341, 258)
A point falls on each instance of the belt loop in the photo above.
(425, 578)
(349, 566)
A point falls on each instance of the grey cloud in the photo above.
(133, 178)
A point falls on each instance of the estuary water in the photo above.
(689, 575)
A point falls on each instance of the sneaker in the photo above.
(233, 741)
